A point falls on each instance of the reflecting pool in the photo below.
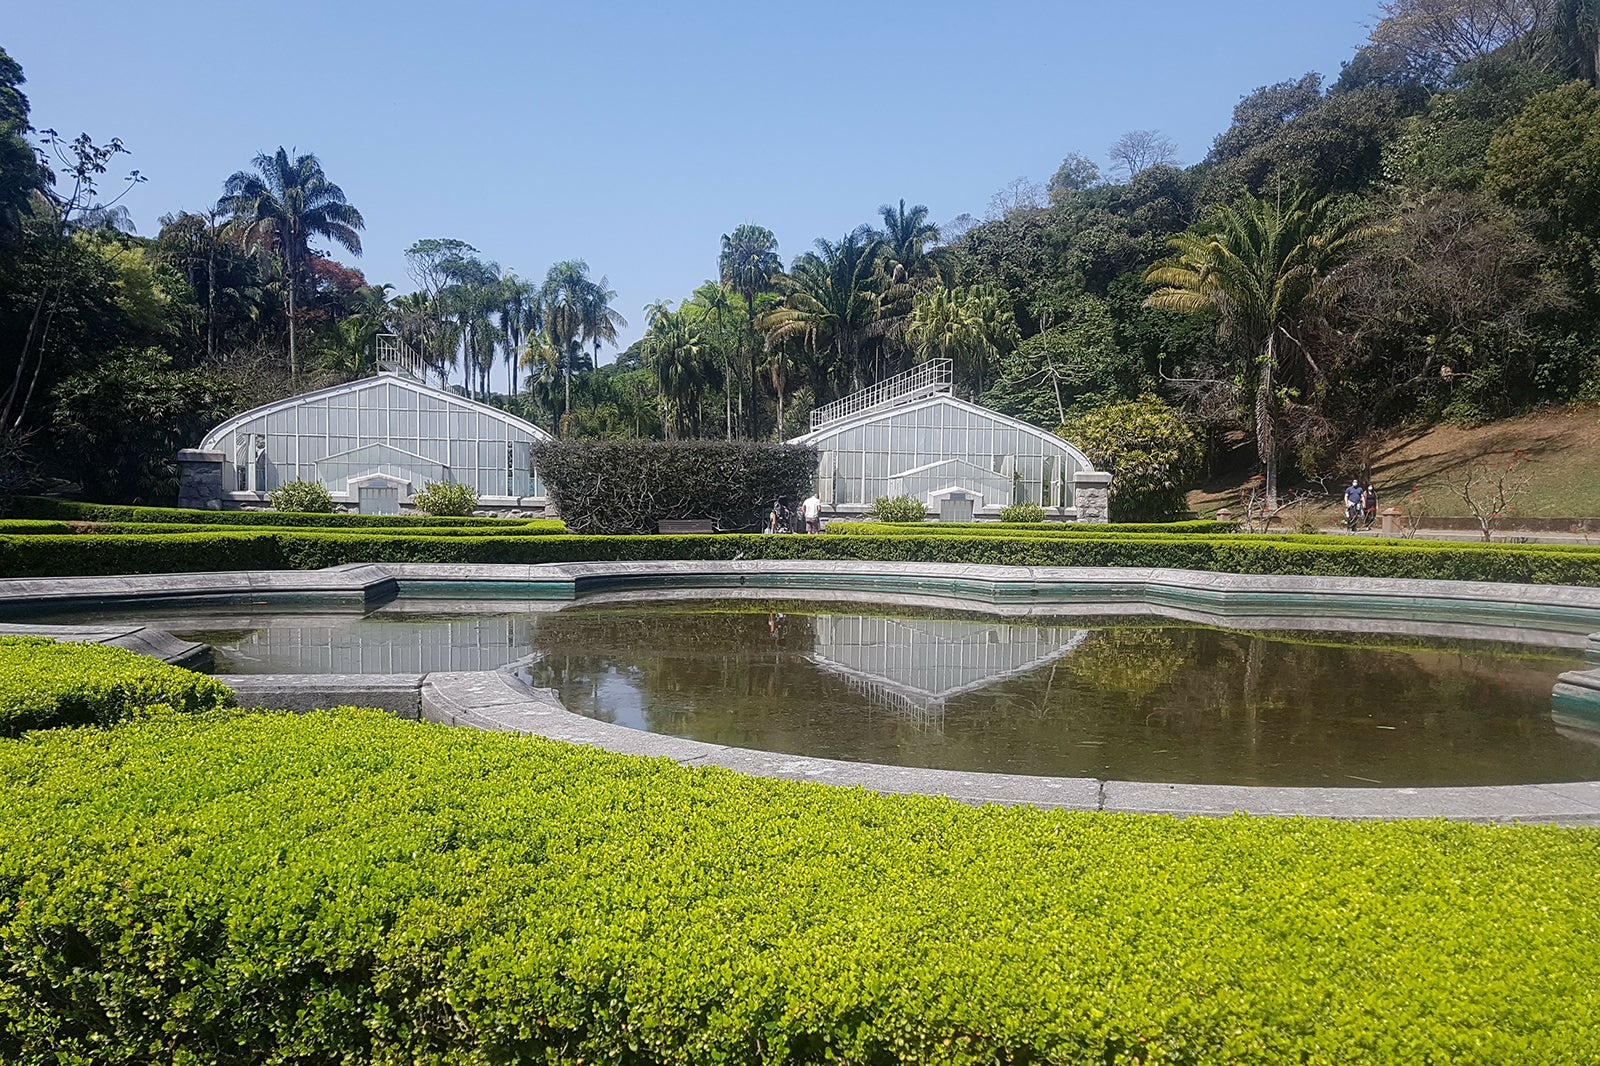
(1141, 699)
(1125, 698)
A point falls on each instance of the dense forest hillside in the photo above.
(1412, 241)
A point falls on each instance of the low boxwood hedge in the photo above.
(75, 511)
(39, 556)
(532, 527)
(44, 684)
(344, 887)
(1023, 528)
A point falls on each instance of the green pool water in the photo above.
(1138, 699)
(1125, 698)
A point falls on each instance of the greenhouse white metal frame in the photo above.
(912, 437)
(374, 443)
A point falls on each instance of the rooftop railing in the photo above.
(394, 356)
(929, 379)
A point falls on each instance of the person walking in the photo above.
(812, 510)
(1352, 504)
(1369, 506)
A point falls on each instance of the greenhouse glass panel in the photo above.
(384, 425)
(940, 442)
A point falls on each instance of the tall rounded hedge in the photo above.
(628, 486)
(1153, 455)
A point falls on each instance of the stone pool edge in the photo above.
(496, 701)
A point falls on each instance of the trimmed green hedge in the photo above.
(35, 525)
(44, 684)
(532, 527)
(40, 556)
(612, 487)
(1019, 529)
(344, 887)
(74, 511)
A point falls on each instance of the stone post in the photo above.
(1091, 491)
(200, 479)
(1391, 522)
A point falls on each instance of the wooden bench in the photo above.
(686, 525)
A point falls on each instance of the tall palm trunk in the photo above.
(294, 359)
(1266, 427)
(211, 291)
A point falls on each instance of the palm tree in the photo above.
(749, 264)
(1260, 265)
(600, 320)
(973, 327)
(564, 297)
(718, 302)
(672, 351)
(472, 296)
(422, 322)
(907, 233)
(280, 207)
(831, 301)
(543, 364)
(521, 317)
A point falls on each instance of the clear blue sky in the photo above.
(634, 135)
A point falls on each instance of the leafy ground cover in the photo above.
(44, 684)
(346, 887)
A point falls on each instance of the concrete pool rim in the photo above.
(496, 700)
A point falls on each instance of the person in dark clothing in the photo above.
(1369, 506)
(1352, 505)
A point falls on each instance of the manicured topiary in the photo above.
(45, 684)
(630, 486)
(898, 509)
(447, 499)
(307, 497)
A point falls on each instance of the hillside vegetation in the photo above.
(1556, 449)
(1415, 239)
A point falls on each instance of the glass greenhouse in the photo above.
(376, 442)
(911, 437)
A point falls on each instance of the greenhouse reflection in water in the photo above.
(1142, 699)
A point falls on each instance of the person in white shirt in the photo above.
(812, 509)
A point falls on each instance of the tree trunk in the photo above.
(211, 295)
(727, 391)
(294, 359)
(1266, 428)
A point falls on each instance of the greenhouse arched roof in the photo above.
(390, 427)
(938, 442)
